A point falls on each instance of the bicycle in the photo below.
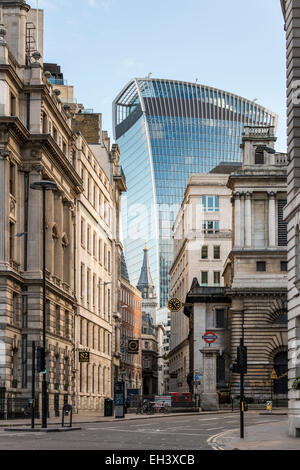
(150, 408)
(163, 408)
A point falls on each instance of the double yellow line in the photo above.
(212, 441)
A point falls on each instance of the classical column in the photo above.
(272, 220)
(58, 208)
(248, 221)
(242, 220)
(237, 220)
(4, 208)
(35, 223)
(209, 397)
(49, 237)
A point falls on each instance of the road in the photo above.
(167, 433)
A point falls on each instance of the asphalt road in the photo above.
(168, 433)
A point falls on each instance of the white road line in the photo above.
(214, 429)
(156, 431)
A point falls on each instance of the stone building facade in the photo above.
(291, 11)
(97, 325)
(150, 353)
(38, 142)
(202, 242)
(253, 295)
(131, 329)
(256, 271)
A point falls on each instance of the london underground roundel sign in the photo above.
(210, 337)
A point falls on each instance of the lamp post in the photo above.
(44, 186)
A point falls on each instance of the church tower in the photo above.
(147, 289)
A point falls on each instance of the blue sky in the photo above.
(235, 45)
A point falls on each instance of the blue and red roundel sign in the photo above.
(210, 337)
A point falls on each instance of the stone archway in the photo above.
(280, 365)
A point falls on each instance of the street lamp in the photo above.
(44, 186)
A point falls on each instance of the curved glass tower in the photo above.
(166, 131)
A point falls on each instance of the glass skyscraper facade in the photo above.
(166, 131)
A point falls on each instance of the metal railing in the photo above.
(57, 81)
(17, 408)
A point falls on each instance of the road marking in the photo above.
(156, 431)
(212, 440)
(214, 429)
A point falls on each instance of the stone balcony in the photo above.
(259, 131)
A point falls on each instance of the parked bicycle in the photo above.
(150, 408)
(163, 408)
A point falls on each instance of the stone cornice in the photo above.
(177, 348)
(293, 207)
(47, 142)
(47, 98)
(12, 124)
(257, 291)
(252, 252)
(11, 72)
(277, 173)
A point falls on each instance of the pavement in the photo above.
(270, 435)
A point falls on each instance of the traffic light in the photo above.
(242, 359)
(235, 368)
(40, 360)
(240, 364)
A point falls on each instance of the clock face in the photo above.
(174, 305)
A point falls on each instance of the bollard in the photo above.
(67, 411)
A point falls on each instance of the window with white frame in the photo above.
(210, 203)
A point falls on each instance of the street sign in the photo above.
(119, 399)
(84, 356)
(274, 375)
(133, 346)
(174, 305)
(210, 337)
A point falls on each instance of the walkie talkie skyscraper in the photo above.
(166, 131)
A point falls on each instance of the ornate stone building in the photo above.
(36, 143)
(202, 242)
(256, 270)
(131, 329)
(43, 137)
(291, 11)
(97, 324)
(252, 298)
(150, 353)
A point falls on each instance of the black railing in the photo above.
(17, 408)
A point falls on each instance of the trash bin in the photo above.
(108, 407)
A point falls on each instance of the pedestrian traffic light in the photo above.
(41, 360)
(240, 364)
(242, 359)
